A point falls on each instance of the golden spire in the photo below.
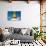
(14, 14)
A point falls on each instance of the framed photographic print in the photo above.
(14, 15)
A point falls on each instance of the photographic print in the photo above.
(14, 15)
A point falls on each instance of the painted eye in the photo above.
(11, 41)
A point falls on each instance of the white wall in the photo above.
(30, 14)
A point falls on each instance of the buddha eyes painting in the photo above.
(14, 15)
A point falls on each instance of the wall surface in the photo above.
(30, 14)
